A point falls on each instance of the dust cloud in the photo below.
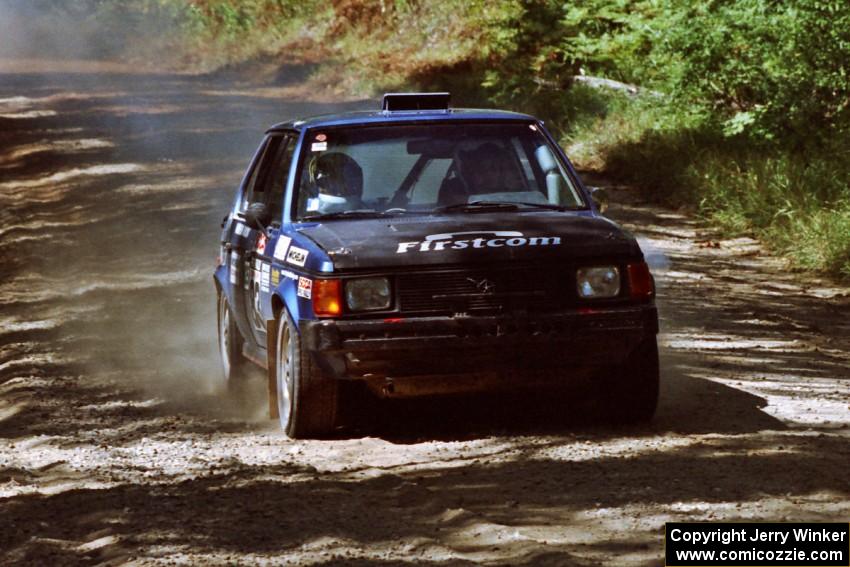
(115, 180)
(83, 30)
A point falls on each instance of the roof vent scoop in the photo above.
(415, 101)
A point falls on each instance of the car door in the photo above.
(238, 240)
(268, 188)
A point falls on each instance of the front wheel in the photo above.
(631, 390)
(233, 364)
(307, 400)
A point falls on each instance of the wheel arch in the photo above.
(277, 305)
(286, 300)
(220, 276)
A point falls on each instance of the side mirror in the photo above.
(257, 216)
(600, 198)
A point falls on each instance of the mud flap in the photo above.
(271, 349)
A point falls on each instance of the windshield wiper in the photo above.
(344, 214)
(356, 213)
(478, 206)
(550, 206)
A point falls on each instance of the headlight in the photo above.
(601, 281)
(367, 294)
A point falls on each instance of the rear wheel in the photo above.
(233, 364)
(307, 400)
(631, 390)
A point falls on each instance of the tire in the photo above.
(631, 393)
(233, 364)
(307, 400)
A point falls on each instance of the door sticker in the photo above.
(234, 266)
(265, 272)
(282, 247)
(242, 230)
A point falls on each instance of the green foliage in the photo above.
(532, 44)
(797, 202)
(229, 20)
(768, 69)
(773, 69)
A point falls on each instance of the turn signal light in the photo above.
(327, 298)
(641, 284)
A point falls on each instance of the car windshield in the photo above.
(427, 168)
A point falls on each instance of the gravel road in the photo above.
(116, 449)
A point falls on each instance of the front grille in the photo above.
(485, 290)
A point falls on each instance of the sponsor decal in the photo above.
(261, 244)
(305, 287)
(319, 146)
(261, 275)
(476, 239)
(296, 256)
(234, 266)
(275, 278)
(289, 275)
(242, 229)
(281, 247)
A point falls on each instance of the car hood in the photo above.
(469, 239)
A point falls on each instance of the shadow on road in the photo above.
(252, 509)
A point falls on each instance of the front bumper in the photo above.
(441, 346)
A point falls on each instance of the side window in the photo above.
(248, 191)
(267, 183)
(278, 175)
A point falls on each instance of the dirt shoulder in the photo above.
(115, 448)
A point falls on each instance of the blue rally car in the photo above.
(422, 250)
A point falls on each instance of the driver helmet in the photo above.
(337, 174)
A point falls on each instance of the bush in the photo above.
(797, 202)
(773, 69)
